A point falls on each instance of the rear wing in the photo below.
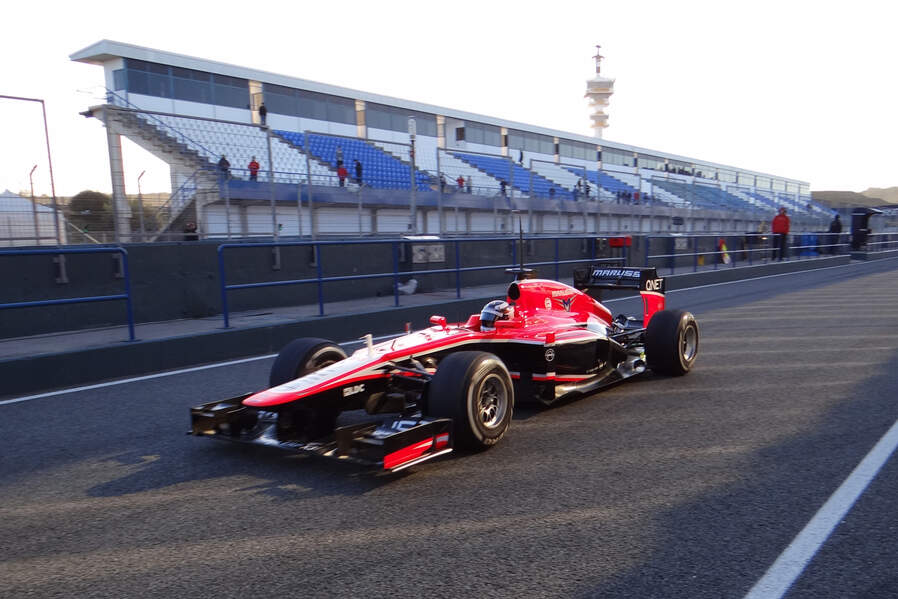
(598, 277)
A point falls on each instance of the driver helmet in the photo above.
(493, 311)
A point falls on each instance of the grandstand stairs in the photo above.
(179, 208)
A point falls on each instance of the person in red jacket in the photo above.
(253, 169)
(780, 228)
(341, 174)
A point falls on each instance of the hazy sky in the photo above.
(799, 89)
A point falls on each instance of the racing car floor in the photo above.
(661, 487)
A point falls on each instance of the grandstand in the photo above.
(190, 112)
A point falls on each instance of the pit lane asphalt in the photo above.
(661, 487)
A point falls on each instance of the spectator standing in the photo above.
(190, 232)
(253, 169)
(586, 189)
(502, 186)
(461, 183)
(521, 156)
(339, 155)
(358, 172)
(342, 173)
(442, 183)
(551, 193)
(263, 114)
(224, 166)
(468, 184)
(780, 228)
(835, 230)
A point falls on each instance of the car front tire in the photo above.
(301, 357)
(474, 389)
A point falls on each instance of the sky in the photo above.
(804, 90)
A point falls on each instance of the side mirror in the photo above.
(438, 321)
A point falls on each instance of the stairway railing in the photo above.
(117, 100)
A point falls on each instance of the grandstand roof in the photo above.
(106, 50)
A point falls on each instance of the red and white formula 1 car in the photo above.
(417, 396)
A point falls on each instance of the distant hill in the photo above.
(849, 199)
(886, 195)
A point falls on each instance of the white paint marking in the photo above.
(792, 562)
(155, 376)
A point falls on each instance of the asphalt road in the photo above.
(662, 487)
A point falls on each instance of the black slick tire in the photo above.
(671, 342)
(302, 356)
(474, 389)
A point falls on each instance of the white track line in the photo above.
(157, 375)
(232, 362)
(792, 562)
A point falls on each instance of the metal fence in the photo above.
(695, 252)
(450, 251)
(60, 253)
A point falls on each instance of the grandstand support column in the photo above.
(413, 208)
(275, 234)
(227, 199)
(440, 226)
(361, 228)
(312, 224)
(120, 209)
(299, 208)
(530, 183)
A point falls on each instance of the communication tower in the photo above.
(599, 90)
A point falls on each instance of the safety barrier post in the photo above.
(457, 270)
(694, 254)
(126, 272)
(318, 267)
(556, 257)
(395, 273)
(224, 286)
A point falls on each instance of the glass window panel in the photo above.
(137, 65)
(281, 103)
(225, 95)
(474, 134)
(137, 82)
(119, 79)
(158, 85)
(194, 91)
(492, 136)
(377, 118)
(340, 110)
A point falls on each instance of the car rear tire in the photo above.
(473, 389)
(302, 356)
(671, 342)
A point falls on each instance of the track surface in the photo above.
(688, 487)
